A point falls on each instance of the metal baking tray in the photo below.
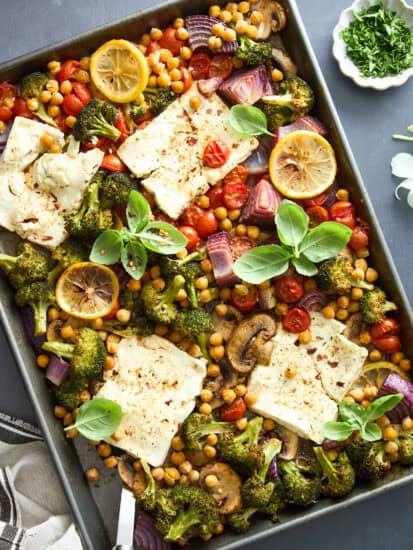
(95, 510)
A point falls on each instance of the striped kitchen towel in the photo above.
(34, 514)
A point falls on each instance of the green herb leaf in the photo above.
(380, 406)
(352, 413)
(291, 222)
(134, 258)
(337, 431)
(304, 267)
(371, 432)
(162, 237)
(107, 248)
(97, 419)
(262, 263)
(325, 241)
(137, 211)
(248, 120)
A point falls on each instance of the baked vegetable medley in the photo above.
(194, 276)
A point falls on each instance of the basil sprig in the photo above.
(98, 418)
(354, 418)
(129, 244)
(248, 120)
(298, 245)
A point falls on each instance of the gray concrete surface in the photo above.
(369, 119)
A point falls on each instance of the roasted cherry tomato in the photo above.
(234, 195)
(20, 108)
(186, 78)
(68, 70)
(74, 102)
(170, 42)
(343, 212)
(319, 200)
(359, 238)
(245, 302)
(7, 91)
(289, 289)
(192, 235)
(215, 196)
(216, 153)
(240, 245)
(191, 215)
(113, 163)
(317, 215)
(296, 320)
(221, 66)
(239, 174)
(233, 411)
(153, 46)
(199, 65)
(113, 312)
(384, 335)
(5, 113)
(121, 125)
(207, 224)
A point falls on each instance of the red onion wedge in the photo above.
(394, 383)
(220, 254)
(262, 204)
(257, 163)
(147, 536)
(308, 123)
(314, 300)
(57, 370)
(246, 86)
(199, 30)
(209, 86)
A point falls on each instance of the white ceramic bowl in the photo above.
(347, 67)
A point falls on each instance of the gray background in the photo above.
(369, 119)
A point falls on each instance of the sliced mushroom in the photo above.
(274, 20)
(261, 349)
(53, 331)
(284, 62)
(290, 442)
(243, 336)
(126, 471)
(226, 324)
(354, 325)
(227, 492)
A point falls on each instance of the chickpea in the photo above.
(145, 39)
(383, 421)
(228, 395)
(229, 35)
(343, 302)
(218, 29)
(185, 53)
(256, 17)
(205, 408)
(250, 399)
(407, 423)
(193, 476)
(213, 370)
(72, 433)
(244, 7)
(253, 232)
(361, 264)
(70, 121)
(173, 63)
(109, 362)
(375, 355)
(341, 314)
(214, 11)
(42, 361)
(68, 419)
(52, 85)
(210, 451)
(201, 283)
(281, 309)
(353, 307)
(164, 80)
(67, 332)
(365, 338)
(212, 439)
(59, 411)
(405, 364)
(195, 351)
(85, 395)
(169, 480)
(343, 195)
(158, 284)
(225, 16)
(32, 104)
(305, 337)
(104, 450)
(357, 394)
(268, 424)
(363, 253)
(54, 67)
(225, 225)
(241, 424)
(56, 99)
(397, 357)
(156, 34)
(328, 312)
(96, 324)
(358, 274)
(214, 43)
(173, 472)
(181, 33)
(210, 481)
(45, 96)
(92, 474)
(177, 443)
(356, 293)
(291, 372)
(217, 352)
(390, 433)
(252, 32)
(53, 111)
(117, 435)
(221, 212)
(391, 447)
(177, 458)
(85, 62)
(240, 390)
(46, 140)
(111, 462)
(123, 316)
(371, 392)
(158, 473)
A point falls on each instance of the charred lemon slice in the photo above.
(87, 291)
(302, 165)
(377, 372)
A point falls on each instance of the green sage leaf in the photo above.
(262, 263)
(107, 248)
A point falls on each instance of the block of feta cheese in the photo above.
(156, 385)
(325, 370)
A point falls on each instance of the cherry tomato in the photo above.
(153, 46)
(7, 91)
(216, 154)
(245, 302)
(343, 212)
(20, 108)
(74, 102)
(68, 70)
(113, 163)
(240, 245)
(121, 125)
(388, 344)
(384, 336)
(317, 215)
(5, 113)
(169, 41)
(296, 320)
(319, 200)
(191, 215)
(288, 289)
(221, 65)
(359, 238)
(231, 412)
(192, 235)
(235, 195)
(186, 78)
(239, 174)
(199, 65)
(113, 312)
(207, 224)
(215, 196)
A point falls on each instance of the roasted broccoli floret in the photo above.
(338, 477)
(71, 251)
(406, 447)
(115, 189)
(98, 118)
(188, 267)
(251, 52)
(257, 491)
(276, 503)
(368, 459)
(159, 306)
(194, 324)
(133, 112)
(28, 266)
(374, 306)
(31, 87)
(242, 451)
(335, 276)
(240, 521)
(91, 219)
(301, 482)
(158, 99)
(39, 296)
(197, 427)
(68, 393)
(147, 499)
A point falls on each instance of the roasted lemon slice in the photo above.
(377, 372)
(302, 165)
(87, 291)
(119, 70)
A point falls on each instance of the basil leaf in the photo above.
(371, 432)
(304, 266)
(292, 223)
(107, 248)
(337, 431)
(352, 413)
(325, 241)
(137, 211)
(98, 418)
(262, 263)
(134, 258)
(248, 120)
(380, 406)
(163, 238)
